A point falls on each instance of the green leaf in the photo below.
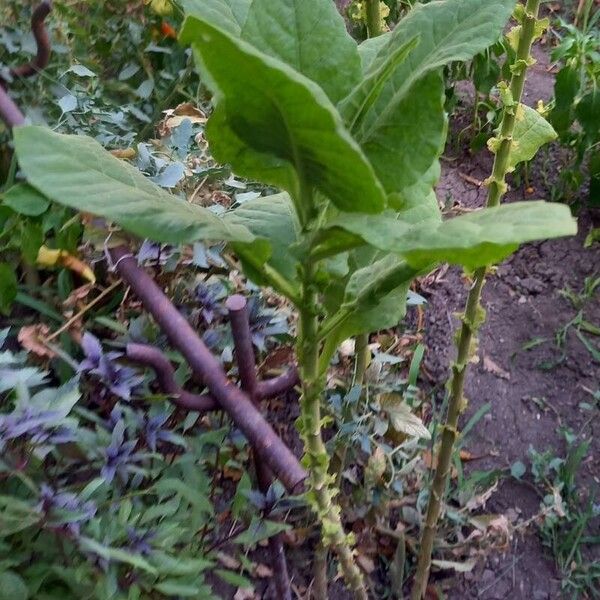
(566, 88)
(271, 218)
(193, 496)
(370, 48)
(172, 587)
(233, 578)
(454, 30)
(308, 35)
(77, 172)
(311, 37)
(229, 15)
(356, 106)
(587, 111)
(473, 240)
(116, 554)
(489, 235)
(32, 238)
(25, 200)
(531, 132)
(275, 125)
(376, 291)
(8, 287)
(12, 586)
(377, 296)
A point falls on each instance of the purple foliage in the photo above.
(119, 456)
(263, 323)
(119, 379)
(139, 541)
(55, 501)
(40, 427)
(210, 297)
(153, 430)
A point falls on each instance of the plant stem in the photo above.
(473, 315)
(373, 18)
(320, 583)
(361, 351)
(321, 493)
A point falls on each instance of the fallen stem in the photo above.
(234, 401)
(165, 374)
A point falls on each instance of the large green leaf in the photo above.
(311, 37)
(452, 30)
(272, 218)
(370, 48)
(76, 171)
(275, 125)
(308, 35)
(375, 293)
(476, 239)
(230, 15)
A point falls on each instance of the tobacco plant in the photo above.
(510, 146)
(351, 135)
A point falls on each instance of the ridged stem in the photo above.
(473, 315)
(321, 492)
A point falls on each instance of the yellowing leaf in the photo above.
(401, 417)
(61, 258)
(161, 7)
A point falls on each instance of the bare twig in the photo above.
(238, 405)
(154, 358)
(242, 338)
(82, 312)
(42, 40)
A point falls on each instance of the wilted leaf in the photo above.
(31, 337)
(61, 258)
(491, 367)
(401, 417)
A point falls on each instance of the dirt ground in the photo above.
(522, 302)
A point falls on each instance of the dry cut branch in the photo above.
(234, 401)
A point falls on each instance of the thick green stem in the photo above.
(473, 315)
(313, 384)
(373, 18)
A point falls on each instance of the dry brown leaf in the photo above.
(227, 561)
(124, 153)
(31, 338)
(365, 562)
(77, 295)
(245, 594)
(176, 116)
(491, 367)
(263, 571)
